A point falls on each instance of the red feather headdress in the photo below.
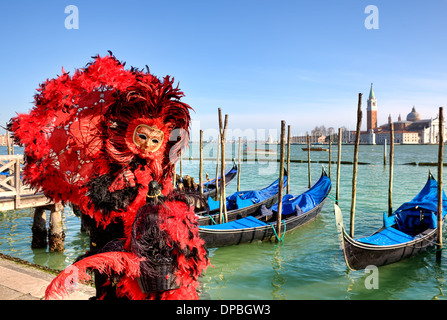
(81, 127)
(96, 139)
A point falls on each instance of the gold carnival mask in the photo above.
(148, 139)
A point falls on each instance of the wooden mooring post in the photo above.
(223, 202)
(53, 237)
(239, 164)
(440, 165)
(181, 164)
(330, 155)
(9, 143)
(308, 161)
(56, 234)
(288, 159)
(39, 229)
(384, 152)
(281, 180)
(390, 184)
(201, 163)
(337, 190)
(174, 178)
(217, 169)
(356, 160)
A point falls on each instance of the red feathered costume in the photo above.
(106, 140)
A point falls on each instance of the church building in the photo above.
(413, 130)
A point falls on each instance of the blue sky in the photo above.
(303, 61)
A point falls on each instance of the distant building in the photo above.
(371, 112)
(312, 139)
(413, 130)
(3, 140)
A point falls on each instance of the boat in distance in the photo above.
(410, 230)
(315, 149)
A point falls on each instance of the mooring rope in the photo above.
(276, 234)
(211, 218)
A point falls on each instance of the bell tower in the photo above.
(371, 112)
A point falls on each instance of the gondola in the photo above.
(241, 203)
(411, 229)
(209, 187)
(296, 211)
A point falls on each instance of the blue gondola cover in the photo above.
(242, 199)
(388, 236)
(307, 200)
(247, 222)
(410, 218)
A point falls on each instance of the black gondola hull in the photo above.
(358, 255)
(220, 238)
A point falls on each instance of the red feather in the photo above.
(120, 262)
(81, 133)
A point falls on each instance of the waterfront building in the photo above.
(371, 112)
(413, 130)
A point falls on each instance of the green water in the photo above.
(309, 264)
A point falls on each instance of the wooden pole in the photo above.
(281, 180)
(17, 182)
(356, 156)
(330, 155)
(239, 165)
(8, 142)
(181, 164)
(440, 165)
(39, 228)
(384, 153)
(308, 160)
(337, 191)
(174, 182)
(222, 129)
(390, 186)
(217, 168)
(288, 159)
(201, 163)
(56, 233)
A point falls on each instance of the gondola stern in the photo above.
(323, 171)
(338, 219)
(430, 175)
(234, 165)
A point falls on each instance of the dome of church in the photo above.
(413, 115)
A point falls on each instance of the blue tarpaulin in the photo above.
(307, 200)
(242, 199)
(411, 217)
(388, 236)
(247, 222)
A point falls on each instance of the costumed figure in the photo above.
(106, 140)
